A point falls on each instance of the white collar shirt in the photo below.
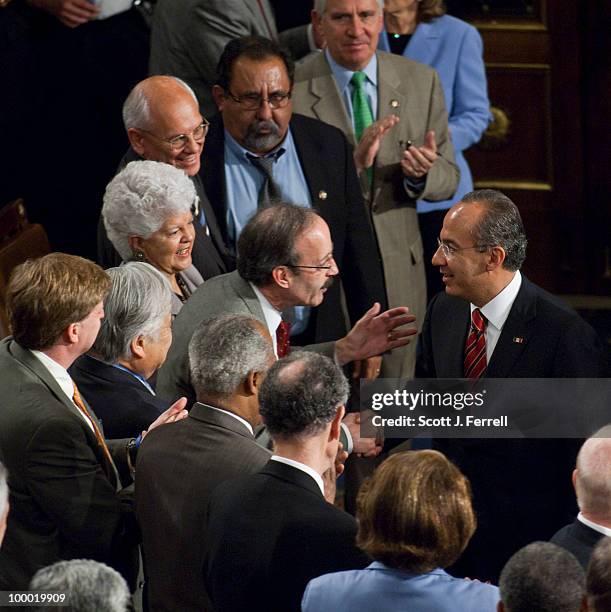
(272, 316)
(496, 312)
(235, 416)
(304, 468)
(592, 525)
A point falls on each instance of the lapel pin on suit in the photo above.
(322, 195)
(394, 103)
(518, 340)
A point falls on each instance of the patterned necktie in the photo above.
(361, 111)
(269, 192)
(78, 400)
(283, 339)
(475, 349)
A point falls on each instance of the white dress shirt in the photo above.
(496, 312)
(304, 468)
(604, 530)
(272, 316)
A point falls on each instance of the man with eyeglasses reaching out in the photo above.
(258, 153)
(163, 123)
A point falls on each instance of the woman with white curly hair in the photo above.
(147, 216)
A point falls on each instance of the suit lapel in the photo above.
(423, 44)
(516, 333)
(450, 356)
(327, 104)
(390, 101)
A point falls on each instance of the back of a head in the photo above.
(300, 395)
(415, 512)
(499, 225)
(90, 586)
(44, 296)
(268, 240)
(138, 304)
(223, 351)
(542, 577)
(598, 580)
(593, 482)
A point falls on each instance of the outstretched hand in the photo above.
(176, 412)
(376, 333)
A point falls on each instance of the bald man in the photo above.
(163, 123)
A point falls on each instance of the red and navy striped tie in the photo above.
(475, 349)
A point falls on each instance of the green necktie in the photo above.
(361, 112)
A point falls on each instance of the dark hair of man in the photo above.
(542, 577)
(46, 295)
(598, 580)
(499, 225)
(415, 513)
(300, 394)
(268, 241)
(430, 9)
(257, 48)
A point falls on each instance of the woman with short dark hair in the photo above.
(415, 518)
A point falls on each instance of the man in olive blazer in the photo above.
(412, 92)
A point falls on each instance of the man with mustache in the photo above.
(257, 153)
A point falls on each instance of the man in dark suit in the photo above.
(270, 533)
(63, 476)
(592, 482)
(178, 468)
(521, 492)
(309, 164)
(163, 123)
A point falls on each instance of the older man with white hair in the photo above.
(592, 482)
(163, 123)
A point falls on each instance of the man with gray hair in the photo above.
(270, 533)
(491, 321)
(229, 356)
(4, 505)
(88, 586)
(592, 483)
(542, 577)
(163, 123)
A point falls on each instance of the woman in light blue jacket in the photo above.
(419, 30)
(414, 519)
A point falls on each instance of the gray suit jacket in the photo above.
(225, 294)
(413, 92)
(188, 37)
(178, 468)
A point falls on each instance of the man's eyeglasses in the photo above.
(309, 267)
(179, 142)
(448, 250)
(253, 101)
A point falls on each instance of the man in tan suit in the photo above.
(403, 156)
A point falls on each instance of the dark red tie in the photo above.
(283, 339)
(475, 349)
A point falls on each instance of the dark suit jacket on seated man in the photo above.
(163, 123)
(270, 533)
(310, 164)
(64, 478)
(285, 258)
(591, 480)
(521, 489)
(179, 467)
